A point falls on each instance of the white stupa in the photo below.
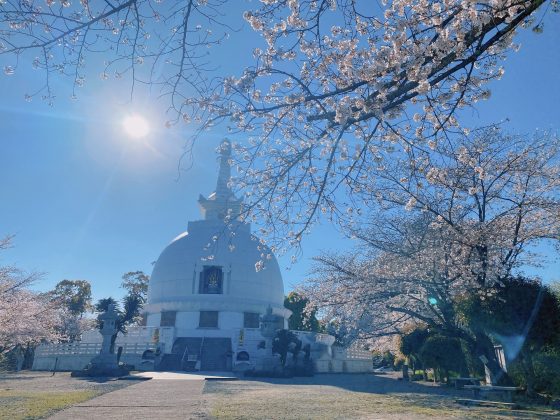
(206, 283)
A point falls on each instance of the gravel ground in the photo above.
(164, 399)
(341, 396)
(358, 396)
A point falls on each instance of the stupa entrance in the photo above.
(199, 353)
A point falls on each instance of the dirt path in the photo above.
(153, 399)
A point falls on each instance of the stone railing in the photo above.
(254, 334)
(77, 348)
(135, 334)
(75, 356)
(67, 349)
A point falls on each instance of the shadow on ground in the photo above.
(96, 379)
(387, 383)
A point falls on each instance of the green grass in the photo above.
(20, 404)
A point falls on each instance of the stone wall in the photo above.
(345, 360)
(75, 356)
(343, 366)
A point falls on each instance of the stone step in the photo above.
(214, 353)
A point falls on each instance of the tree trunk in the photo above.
(485, 347)
(405, 374)
(19, 356)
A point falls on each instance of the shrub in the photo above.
(286, 341)
(546, 365)
(474, 365)
(377, 359)
(410, 345)
(388, 358)
(443, 354)
(547, 372)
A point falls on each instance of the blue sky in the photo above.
(87, 202)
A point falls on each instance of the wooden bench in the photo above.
(461, 382)
(481, 391)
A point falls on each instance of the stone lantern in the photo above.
(105, 363)
(108, 328)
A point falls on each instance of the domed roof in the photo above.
(216, 242)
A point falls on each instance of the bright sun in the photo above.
(136, 126)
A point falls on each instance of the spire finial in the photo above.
(222, 189)
(221, 203)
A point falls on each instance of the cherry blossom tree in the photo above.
(26, 317)
(333, 81)
(70, 327)
(457, 221)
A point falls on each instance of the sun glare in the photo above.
(136, 126)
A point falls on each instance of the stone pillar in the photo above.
(268, 328)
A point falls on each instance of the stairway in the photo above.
(179, 357)
(169, 362)
(214, 354)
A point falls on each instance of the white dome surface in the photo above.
(175, 278)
